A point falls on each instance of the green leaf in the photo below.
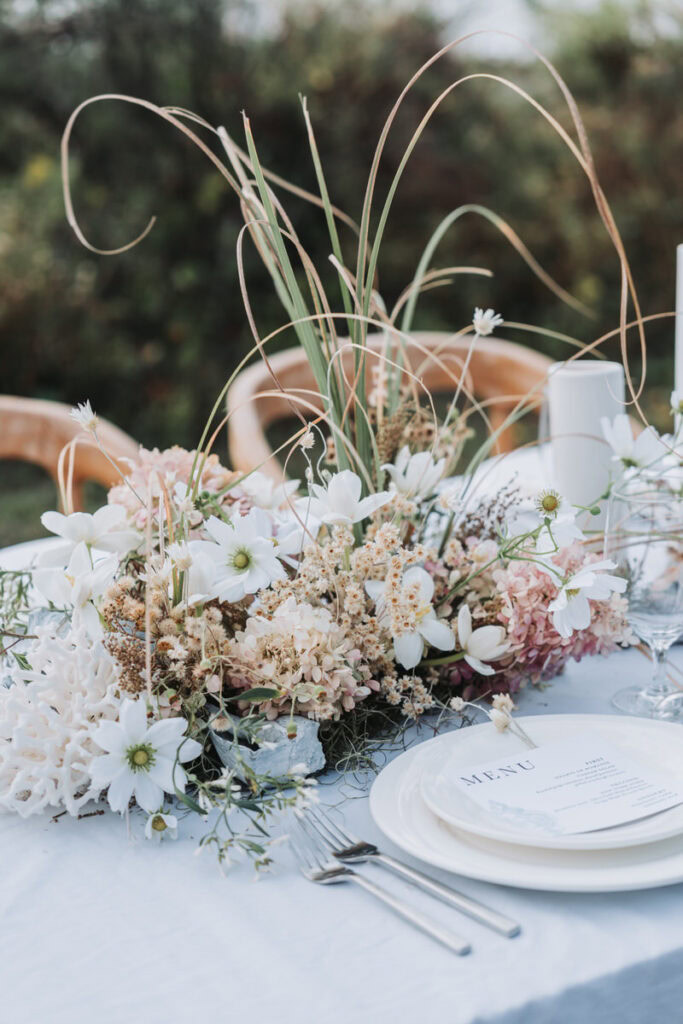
(258, 693)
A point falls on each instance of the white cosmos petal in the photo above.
(121, 790)
(106, 767)
(408, 649)
(109, 736)
(161, 772)
(168, 730)
(437, 633)
(133, 719)
(222, 533)
(147, 794)
(189, 750)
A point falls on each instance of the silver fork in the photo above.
(349, 849)
(315, 865)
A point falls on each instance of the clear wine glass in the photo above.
(644, 536)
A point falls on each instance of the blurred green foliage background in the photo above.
(149, 336)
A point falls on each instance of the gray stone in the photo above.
(279, 754)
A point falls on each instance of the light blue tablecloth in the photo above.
(97, 926)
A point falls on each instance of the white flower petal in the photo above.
(121, 790)
(437, 633)
(408, 649)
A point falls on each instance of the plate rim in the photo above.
(437, 859)
(559, 842)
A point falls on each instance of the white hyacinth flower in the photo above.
(633, 452)
(141, 760)
(161, 826)
(487, 643)
(78, 586)
(104, 529)
(340, 503)
(84, 416)
(415, 476)
(571, 608)
(485, 321)
(243, 554)
(429, 630)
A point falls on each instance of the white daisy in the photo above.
(140, 760)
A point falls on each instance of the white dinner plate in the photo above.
(654, 744)
(399, 811)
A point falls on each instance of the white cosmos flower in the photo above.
(487, 643)
(409, 647)
(415, 476)
(78, 586)
(265, 493)
(485, 320)
(140, 759)
(634, 452)
(243, 554)
(340, 502)
(105, 530)
(571, 608)
(84, 416)
(161, 826)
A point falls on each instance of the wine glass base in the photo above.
(635, 701)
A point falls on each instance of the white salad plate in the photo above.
(400, 812)
(658, 746)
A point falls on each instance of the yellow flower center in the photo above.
(158, 823)
(550, 503)
(241, 560)
(140, 757)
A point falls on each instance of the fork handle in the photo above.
(421, 921)
(473, 908)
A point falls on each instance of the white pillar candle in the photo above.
(678, 371)
(579, 395)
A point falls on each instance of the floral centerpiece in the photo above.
(382, 585)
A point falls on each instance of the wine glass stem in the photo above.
(658, 687)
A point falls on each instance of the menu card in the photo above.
(580, 784)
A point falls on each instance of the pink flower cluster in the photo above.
(537, 650)
(172, 466)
